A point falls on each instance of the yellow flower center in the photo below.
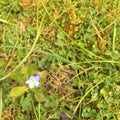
(33, 81)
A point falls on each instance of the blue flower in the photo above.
(33, 81)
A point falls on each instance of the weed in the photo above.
(74, 47)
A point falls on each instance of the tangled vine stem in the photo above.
(31, 50)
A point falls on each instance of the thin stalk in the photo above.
(114, 36)
(39, 112)
(35, 111)
(0, 103)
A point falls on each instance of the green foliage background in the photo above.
(76, 43)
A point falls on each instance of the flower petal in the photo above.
(37, 84)
(31, 85)
(32, 77)
(33, 81)
(28, 81)
(37, 78)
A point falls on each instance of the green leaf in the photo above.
(60, 36)
(39, 96)
(60, 43)
(102, 104)
(89, 112)
(22, 75)
(31, 69)
(43, 76)
(17, 76)
(24, 70)
(1, 63)
(18, 91)
(104, 91)
(25, 101)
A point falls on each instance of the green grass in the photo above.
(75, 45)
